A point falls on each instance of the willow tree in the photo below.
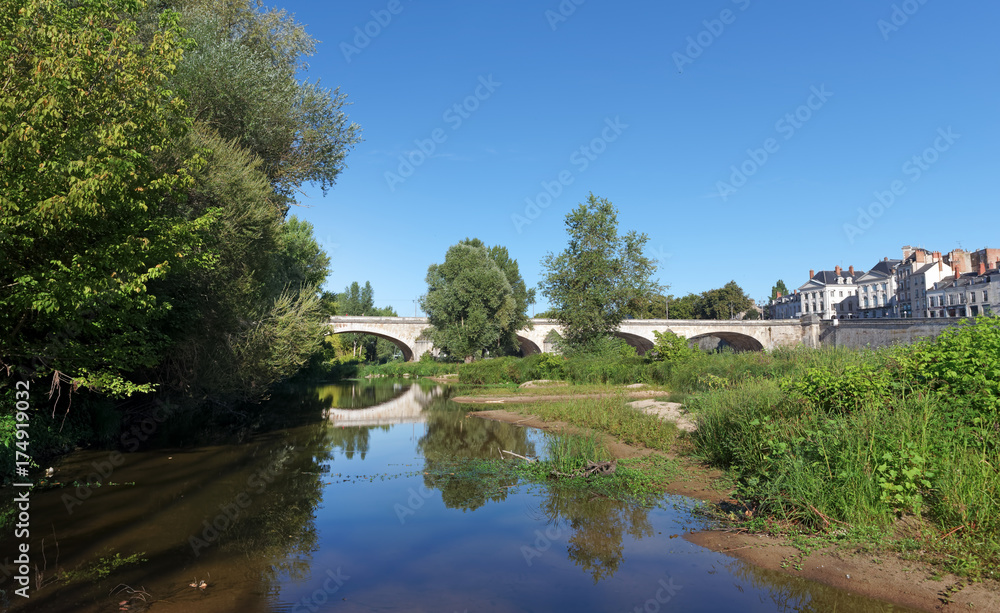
(476, 301)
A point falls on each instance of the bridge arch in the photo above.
(528, 346)
(403, 346)
(739, 342)
(641, 343)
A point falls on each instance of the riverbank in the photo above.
(870, 569)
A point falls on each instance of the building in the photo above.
(786, 307)
(877, 291)
(966, 295)
(831, 294)
(918, 272)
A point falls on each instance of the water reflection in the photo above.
(599, 525)
(265, 523)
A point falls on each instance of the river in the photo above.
(339, 502)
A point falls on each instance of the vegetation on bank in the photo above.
(869, 438)
(895, 448)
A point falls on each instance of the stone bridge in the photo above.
(407, 332)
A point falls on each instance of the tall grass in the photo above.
(612, 416)
(801, 453)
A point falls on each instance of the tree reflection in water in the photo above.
(451, 438)
(598, 525)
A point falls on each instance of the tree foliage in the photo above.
(779, 287)
(728, 301)
(240, 81)
(84, 108)
(476, 301)
(592, 283)
(148, 157)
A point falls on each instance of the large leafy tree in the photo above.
(240, 81)
(726, 302)
(593, 282)
(476, 301)
(255, 317)
(84, 108)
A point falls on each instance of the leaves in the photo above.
(592, 282)
(476, 301)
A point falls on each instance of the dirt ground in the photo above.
(887, 577)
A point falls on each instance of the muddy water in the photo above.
(330, 508)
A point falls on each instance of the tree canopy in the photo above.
(728, 301)
(148, 158)
(476, 301)
(593, 283)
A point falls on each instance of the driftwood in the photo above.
(516, 455)
(600, 469)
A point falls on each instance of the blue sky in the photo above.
(750, 140)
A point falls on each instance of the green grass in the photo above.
(512, 389)
(838, 446)
(610, 415)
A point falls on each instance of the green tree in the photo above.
(592, 281)
(476, 301)
(726, 302)
(84, 108)
(779, 287)
(686, 307)
(240, 81)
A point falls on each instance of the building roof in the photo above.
(829, 277)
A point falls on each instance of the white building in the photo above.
(831, 294)
(877, 291)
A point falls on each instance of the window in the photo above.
(986, 296)
(841, 293)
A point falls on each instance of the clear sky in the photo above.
(742, 136)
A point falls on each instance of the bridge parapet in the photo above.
(408, 332)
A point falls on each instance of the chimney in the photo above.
(837, 270)
(920, 256)
(982, 267)
(885, 259)
(779, 295)
(850, 269)
(937, 256)
(940, 266)
(812, 273)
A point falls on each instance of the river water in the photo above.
(339, 503)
